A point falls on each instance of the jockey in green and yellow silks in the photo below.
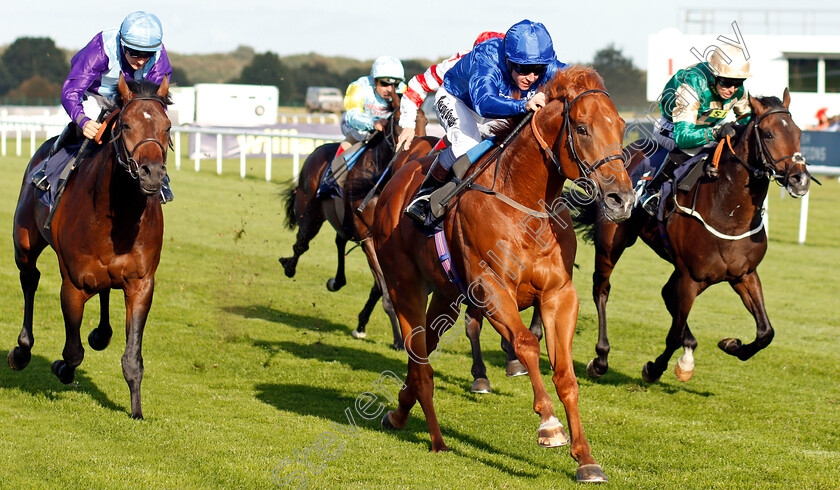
(694, 104)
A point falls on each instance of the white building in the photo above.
(808, 65)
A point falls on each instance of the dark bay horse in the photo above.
(107, 232)
(712, 233)
(510, 258)
(308, 213)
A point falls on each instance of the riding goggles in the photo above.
(730, 82)
(387, 82)
(138, 54)
(528, 69)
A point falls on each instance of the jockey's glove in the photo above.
(724, 130)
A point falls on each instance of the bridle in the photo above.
(768, 163)
(120, 148)
(584, 169)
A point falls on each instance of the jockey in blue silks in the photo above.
(500, 78)
(135, 50)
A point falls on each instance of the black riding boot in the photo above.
(70, 135)
(650, 197)
(418, 210)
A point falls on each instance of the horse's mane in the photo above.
(567, 83)
(143, 88)
(769, 101)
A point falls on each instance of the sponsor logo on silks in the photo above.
(446, 113)
(718, 113)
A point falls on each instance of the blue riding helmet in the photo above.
(141, 31)
(528, 43)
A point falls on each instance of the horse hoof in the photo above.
(592, 371)
(18, 358)
(288, 266)
(64, 373)
(552, 434)
(649, 378)
(398, 345)
(358, 335)
(333, 285)
(590, 473)
(682, 375)
(97, 340)
(515, 368)
(441, 448)
(481, 385)
(386, 422)
(730, 346)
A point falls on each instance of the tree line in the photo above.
(33, 69)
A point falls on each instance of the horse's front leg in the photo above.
(387, 304)
(559, 314)
(338, 282)
(100, 337)
(748, 288)
(20, 356)
(364, 315)
(138, 301)
(679, 294)
(72, 307)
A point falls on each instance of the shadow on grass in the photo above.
(617, 378)
(37, 379)
(304, 322)
(333, 405)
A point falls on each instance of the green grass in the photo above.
(246, 368)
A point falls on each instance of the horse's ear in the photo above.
(757, 107)
(164, 86)
(124, 90)
(786, 99)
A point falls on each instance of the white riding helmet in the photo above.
(141, 31)
(736, 66)
(388, 68)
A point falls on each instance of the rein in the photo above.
(129, 163)
(768, 163)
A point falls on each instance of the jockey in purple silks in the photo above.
(136, 51)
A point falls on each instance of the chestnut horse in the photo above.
(711, 233)
(508, 261)
(308, 213)
(107, 232)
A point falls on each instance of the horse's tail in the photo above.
(291, 215)
(584, 216)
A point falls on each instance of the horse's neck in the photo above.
(735, 193)
(525, 172)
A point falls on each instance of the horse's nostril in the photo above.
(613, 200)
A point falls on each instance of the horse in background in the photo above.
(307, 213)
(508, 266)
(107, 232)
(711, 233)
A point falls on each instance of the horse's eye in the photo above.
(124, 127)
(767, 135)
(581, 131)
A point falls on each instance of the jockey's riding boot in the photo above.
(650, 197)
(418, 210)
(70, 135)
(166, 194)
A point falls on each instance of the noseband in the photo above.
(584, 169)
(120, 147)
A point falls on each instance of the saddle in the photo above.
(332, 182)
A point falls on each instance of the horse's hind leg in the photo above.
(512, 365)
(309, 219)
(679, 294)
(364, 315)
(480, 382)
(28, 244)
(72, 307)
(338, 282)
(100, 336)
(387, 304)
(748, 288)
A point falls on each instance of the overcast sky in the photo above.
(431, 29)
